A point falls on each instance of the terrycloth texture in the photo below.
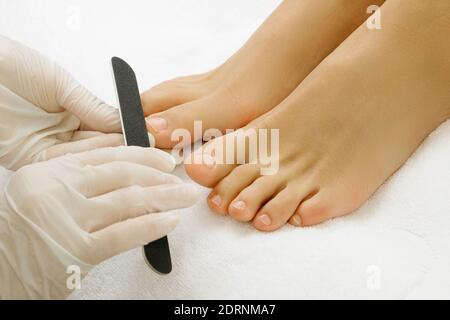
(396, 246)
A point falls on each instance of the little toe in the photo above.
(296, 219)
(314, 210)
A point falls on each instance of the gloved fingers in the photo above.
(132, 233)
(94, 114)
(150, 157)
(44, 83)
(115, 175)
(134, 201)
(81, 135)
(93, 143)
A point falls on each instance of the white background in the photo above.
(160, 39)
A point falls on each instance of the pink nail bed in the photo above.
(217, 200)
(240, 205)
(157, 123)
(265, 220)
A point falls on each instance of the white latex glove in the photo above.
(80, 209)
(45, 112)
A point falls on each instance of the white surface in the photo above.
(396, 246)
(4, 176)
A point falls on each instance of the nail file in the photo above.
(157, 253)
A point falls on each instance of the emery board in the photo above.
(157, 253)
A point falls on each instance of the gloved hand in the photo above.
(45, 112)
(80, 209)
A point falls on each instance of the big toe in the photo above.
(188, 122)
(171, 93)
(205, 167)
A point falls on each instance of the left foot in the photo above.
(279, 55)
(349, 126)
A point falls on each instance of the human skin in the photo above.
(348, 126)
(279, 55)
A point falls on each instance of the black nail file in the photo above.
(157, 253)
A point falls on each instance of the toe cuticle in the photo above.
(296, 220)
(239, 205)
(265, 220)
(216, 200)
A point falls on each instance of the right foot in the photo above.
(284, 50)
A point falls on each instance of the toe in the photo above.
(169, 126)
(245, 206)
(169, 94)
(331, 202)
(211, 163)
(203, 168)
(296, 219)
(314, 210)
(277, 211)
(216, 112)
(230, 186)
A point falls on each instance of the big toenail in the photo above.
(265, 220)
(217, 200)
(297, 220)
(157, 123)
(240, 205)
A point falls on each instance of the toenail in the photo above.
(265, 220)
(240, 205)
(157, 123)
(216, 200)
(297, 220)
(151, 139)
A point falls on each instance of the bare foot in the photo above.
(284, 50)
(350, 124)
